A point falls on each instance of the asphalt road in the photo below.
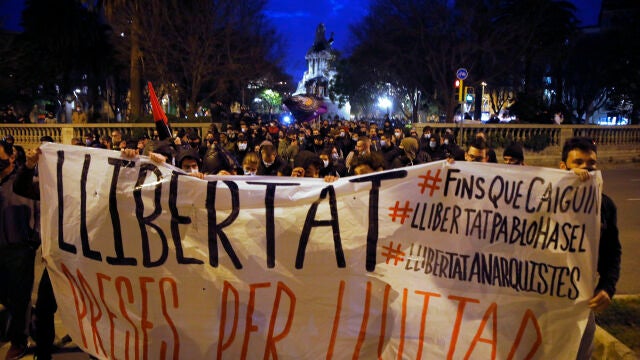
(623, 186)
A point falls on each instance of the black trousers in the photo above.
(16, 284)
(46, 307)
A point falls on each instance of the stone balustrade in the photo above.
(616, 144)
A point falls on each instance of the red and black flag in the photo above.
(159, 117)
(305, 107)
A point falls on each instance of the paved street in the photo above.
(622, 185)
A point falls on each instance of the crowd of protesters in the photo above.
(318, 148)
(324, 148)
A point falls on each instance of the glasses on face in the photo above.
(476, 158)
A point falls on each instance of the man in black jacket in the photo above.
(579, 155)
(272, 164)
(17, 252)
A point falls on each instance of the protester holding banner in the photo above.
(477, 151)
(271, 163)
(189, 161)
(579, 155)
(17, 251)
(513, 154)
(250, 163)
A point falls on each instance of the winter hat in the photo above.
(515, 151)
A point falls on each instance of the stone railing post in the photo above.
(566, 132)
(66, 134)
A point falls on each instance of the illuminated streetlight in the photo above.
(482, 106)
(384, 103)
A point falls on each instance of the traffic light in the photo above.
(469, 94)
(458, 89)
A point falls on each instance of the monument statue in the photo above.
(321, 70)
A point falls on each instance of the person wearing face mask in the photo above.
(398, 135)
(451, 149)
(427, 133)
(17, 251)
(250, 164)
(241, 148)
(271, 163)
(195, 143)
(344, 141)
(189, 162)
(388, 150)
(434, 149)
(329, 165)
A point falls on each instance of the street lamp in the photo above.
(482, 103)
(384, 103)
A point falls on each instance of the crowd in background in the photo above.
(323, 147)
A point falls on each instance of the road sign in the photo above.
(462, 73)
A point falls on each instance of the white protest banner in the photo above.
(437, 261)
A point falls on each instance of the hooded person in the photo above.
(410, 153)
(218, 159)
(513, 154)
(434, 149)
(189, 156)
(450, 148)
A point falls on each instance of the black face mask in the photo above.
(4, 163)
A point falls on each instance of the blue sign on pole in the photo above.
(462, 73)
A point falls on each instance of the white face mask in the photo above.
(383, 143)
(432, 145)
(342, 134)
(242, 147)
(427, 136)
(398, 134)
(325, 162)
(446, 142)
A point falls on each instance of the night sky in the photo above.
(297, 21)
